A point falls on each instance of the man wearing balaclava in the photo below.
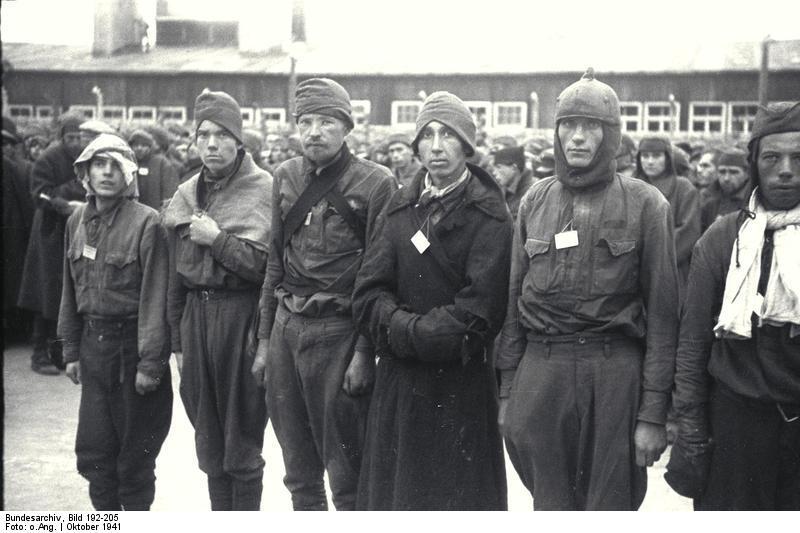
(432, 295)
(737, 382)
(56, 192)
(586, 355)
(318, 369)
(218, 228)
(113, 322)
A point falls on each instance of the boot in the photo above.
(220, 490)
(40, 358)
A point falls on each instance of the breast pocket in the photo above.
(121, 271)
(83, 270)
(542, 268)
(338, 236)
(615, 266)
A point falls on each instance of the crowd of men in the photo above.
(400, 310)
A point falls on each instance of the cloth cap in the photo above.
(511, 156)
(626, 145)
(775, 118)
(395, 138)
(96, 127)
(112, 146)
(142, 137)
(448, 109)
(654, 143)
(221, 109)
(323, 96)
(253, 140)
(732, 157)
(70, 123)
(10, 130)
(680, 160)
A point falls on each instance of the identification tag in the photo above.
(420, 242)
(308, 219)
(566, 239)
(89, 252)
(144, 171)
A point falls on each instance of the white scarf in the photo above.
(781, 303)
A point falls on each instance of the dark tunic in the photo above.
(157, 180)
(432, 437)
(17, 218)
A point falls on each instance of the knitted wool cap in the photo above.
(253, 140)
(654, 143)
(395, 138)
(732, 157)
(221, 109)
(141, 137)
(448, 109)
(323, 96)
(69, 123)
(511, 156)
(775, 118)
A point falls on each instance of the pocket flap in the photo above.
(536, 247)
(618, 248)
(119, 259)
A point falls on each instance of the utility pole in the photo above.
(763, 75)
(98, 94)
(290, 96)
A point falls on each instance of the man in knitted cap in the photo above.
(431, 295)
(587, 351)
(405, 164)
(626, 156)
(56, 192)
(732, 189)
(218, 226)
(737, 381)
(113, 322)
(513, 176)
(157, 178)
(317, 369)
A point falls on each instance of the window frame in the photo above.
(262, 111)
(646, 117)
(707, 119)
(748, 122)
(51, 110)
(489, 115)
(395, 107)
(363, 118)
(639, 118)
(522, 106)
(83, 109)
(10, 108)
(136, 108)
(172, 109)
(114, 108)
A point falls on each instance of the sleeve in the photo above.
(688, 222)
(268, 303)
(512, 341)
(70, 324)
(154, 333)
(176, 293)
(239, 256)
(169, 181)
(659, 284)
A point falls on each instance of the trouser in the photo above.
(755, 465)
(224, 403)
(570, 421)
(120, 432)
(317, 424)
(43, 338)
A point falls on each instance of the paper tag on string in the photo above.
(89, 252)
(420, 242)
(566, 239)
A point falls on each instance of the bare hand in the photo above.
(73, 372)
(178, 360)
(501, 414)
(650, 441)
(259, 368)
(360, 374)
(145, 383)
(203, 230)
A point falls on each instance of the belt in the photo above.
(577, 338)
(216, 294)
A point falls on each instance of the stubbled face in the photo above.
(73, 144)
(731, 178)
(322, 136)
(400, 155)
(779, 170)
(217, 147)
(580, 139)
(441, 152)
(105, 177)
(505, 174)
(653, 163)
(141, 150)
(706, 172)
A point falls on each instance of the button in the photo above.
(581, 340)
(100, 338)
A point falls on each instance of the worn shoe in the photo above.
(45, 369)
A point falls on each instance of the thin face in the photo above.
(216, 146)
(400, 155)
(653, 163)
(322, 136)
(580, 139)
(141, 150)
(105, 177)
(731, 178)
(505, 174)
(706, 172)
(441, 151)
(72, 143)
(779, 170)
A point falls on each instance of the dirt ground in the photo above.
(41, 415)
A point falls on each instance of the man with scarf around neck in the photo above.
(317, 370)
(586, 355)
(218, 226)
(432, 295)
(113, 322)
(737, 379)
(655, 164)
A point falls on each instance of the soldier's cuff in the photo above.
(653, 407)
(70, 352)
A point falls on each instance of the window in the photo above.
(17, 111)
(741, 116)
(87, 111)
(510, 114)
(631, 114)
(172, 113)
(481, 113)
(706, 117)
(273, 118)
(140, 113)
(45, 111)
(657, 116)
(248, 116)
(404, 112)
(361, 111)
(114, 113)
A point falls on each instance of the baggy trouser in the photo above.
(570, 421)
(120, 432)
(318, 425)
(224, 403)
